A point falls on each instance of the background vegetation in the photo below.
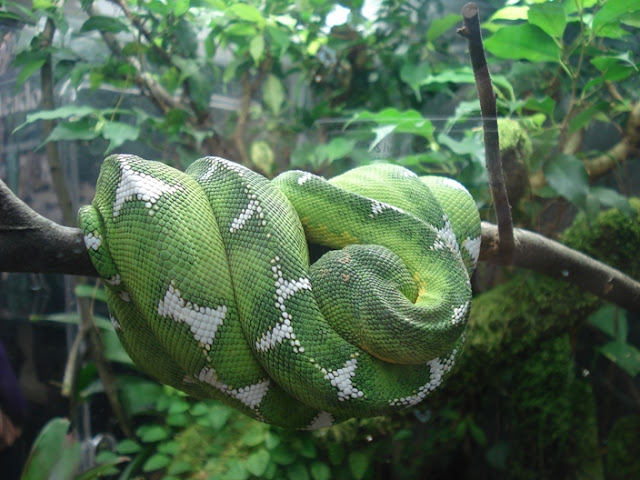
(549, 384)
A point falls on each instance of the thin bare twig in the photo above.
(471, 31)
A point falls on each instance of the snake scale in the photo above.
(210, 289)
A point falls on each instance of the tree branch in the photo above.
(31, 243)
(471, 31)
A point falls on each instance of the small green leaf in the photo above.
(320, 471)
(83, 129)
(567, 176)
(152, 433)
(545, 105)
(283, 455)
(156, 462)
(254, 436)
(624, 355)
(297, 471)
(523, 42)
(358, 464)
(611, 12)
(613, 199)
(414, 75)
(612, 321)
(257, 462)
(262, 156)
(247, 12)
(256, 48)
(273, 94)
(128, 447)
(54, 450)
(119, 132)
(550, 17)
(441, 26)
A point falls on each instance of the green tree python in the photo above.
(210, 287)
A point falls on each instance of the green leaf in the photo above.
(320, 471)
(28, 70)
(584, 118)
(59, 113)
(297, 471)
(152, 433)
(612, 321)
(262, 156)
(358, 464)
(104, 24)
(83, 129)
(612, 11)
(54, 453)
(567, 176)
(119, 132)
(257, 462)
(545, 105)
(550, 17)
(381, 133)
(156, 462)
(523, 42)
(283, 455)
(414, 75)
(441, 26)
(613, 199)
(236, 470)
(624, 355)
(256, 48)
(180, 7)
(247, 12)
(128, 447)
(254, 436)
(273, 94)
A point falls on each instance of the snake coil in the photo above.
(210, 289)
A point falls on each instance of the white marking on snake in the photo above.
(378, 207)
(446, 237)
(438, 369)
(124, 296)
(460, 313)
(204, 321)
(322, 420)
(115, 280)
(114, 322)
(92, 241)
(305, 177)
(140, 186)
(251, 395)
(285, 289)
(341, 379)
(219, 162)
(472, 245)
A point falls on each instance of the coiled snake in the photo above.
(210, 289)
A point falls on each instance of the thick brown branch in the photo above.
(30, 242)
(541, 254)
(471, 31)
